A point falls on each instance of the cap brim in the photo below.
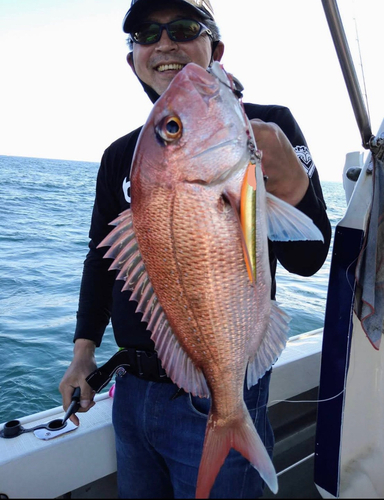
(142, 8)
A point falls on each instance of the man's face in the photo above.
(158, 63)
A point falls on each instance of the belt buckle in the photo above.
(149, 365)
(139, 364)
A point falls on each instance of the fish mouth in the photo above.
(169, 67)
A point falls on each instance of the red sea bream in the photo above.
(199, 268)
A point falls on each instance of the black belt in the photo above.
(142, 364)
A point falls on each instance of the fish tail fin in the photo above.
(217, 443)
(243, 437)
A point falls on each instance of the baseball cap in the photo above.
(139, 7)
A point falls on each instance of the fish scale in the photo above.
(206, 271)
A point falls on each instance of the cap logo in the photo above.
(203, 5)
(200, 4)
(133, 14)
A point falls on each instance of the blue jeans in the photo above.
(159, 441)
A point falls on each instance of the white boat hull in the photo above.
(77, 461)
(349, 460)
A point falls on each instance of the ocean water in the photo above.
(45, 211)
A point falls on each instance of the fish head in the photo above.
(196, 132)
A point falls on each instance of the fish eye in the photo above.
(173, 127)
(169, 129)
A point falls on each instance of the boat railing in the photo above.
(347, 66)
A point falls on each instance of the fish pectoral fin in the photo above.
(287, 223)
(271, 346)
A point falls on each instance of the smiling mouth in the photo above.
(170, 67)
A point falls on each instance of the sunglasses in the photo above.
(181, 30)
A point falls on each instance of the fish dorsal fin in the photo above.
(124, 249)
(287, 223)
(271, 346)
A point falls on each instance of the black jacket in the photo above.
(100, 295)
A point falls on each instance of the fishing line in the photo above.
(350, 284)
(307, 400)
(295, 465)
(361, 63)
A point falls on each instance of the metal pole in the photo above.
(341, 45)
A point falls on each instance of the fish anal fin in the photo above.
(272, 345)
(175, 361)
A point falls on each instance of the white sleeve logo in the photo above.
(302, 152)
(126, 187)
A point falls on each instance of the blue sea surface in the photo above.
(45, 212)
(304, 298)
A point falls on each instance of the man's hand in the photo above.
(287, 178)
(82, 365)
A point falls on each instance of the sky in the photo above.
(66, 91)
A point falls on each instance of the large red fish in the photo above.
(198, 267)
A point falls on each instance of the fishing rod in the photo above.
(341, 45)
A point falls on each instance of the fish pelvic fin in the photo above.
(287, 223)
(243, 437)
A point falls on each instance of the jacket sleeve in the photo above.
(95, 299)
(97, 283)
(304, 258)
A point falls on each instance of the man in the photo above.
(159, 429)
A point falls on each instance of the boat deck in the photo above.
(33, 468)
